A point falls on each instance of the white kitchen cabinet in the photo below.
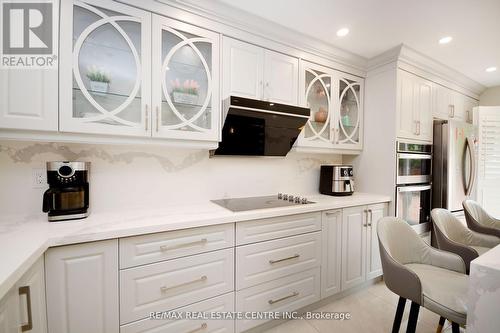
(373, 263)
(82, 288)
(289, 293)
(243, 70)
(353, 247)
(23, 309)
(31, 291)
(253, 72)
(151, 248)
(470, 104)
(262, 262)
(170, 284)
(443, 102)
(318, 91)
(449, 104)
(331, 261)
(105, 68)
(458, 106)
(224, 303)
(185, 93)
(9, 312)
(281, 78)
(336, 103)
(28, 96)
(349, 112)
(277, 227)
(360, 251)
(28, 99)
(415, 107)
(463, 107)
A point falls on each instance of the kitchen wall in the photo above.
(124, 177)
(491, 97)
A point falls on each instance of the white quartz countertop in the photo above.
(484, 293)
(23, 239)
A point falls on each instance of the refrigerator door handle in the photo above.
(472, 172)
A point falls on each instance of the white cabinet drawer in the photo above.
(224, 303)
(277, 227)
(263, 262)
(147, 249)
(286, 294)
(171, 284)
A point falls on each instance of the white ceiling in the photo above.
(378, 25)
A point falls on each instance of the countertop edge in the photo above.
(11, 277)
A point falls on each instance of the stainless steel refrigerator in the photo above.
(454, 164)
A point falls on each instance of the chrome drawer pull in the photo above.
(272, 301)
(284, 259)
(201, 328)
(164, 248)
(165, 288)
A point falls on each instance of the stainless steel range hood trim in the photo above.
(268, 111)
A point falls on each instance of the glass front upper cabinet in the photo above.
(185, 81)
(317, 86)
(105, 68)
(350, 113)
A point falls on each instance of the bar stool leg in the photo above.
(440, 325)
(399, 315)
(455, 328)
(412, 320)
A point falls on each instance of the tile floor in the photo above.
(372, 310)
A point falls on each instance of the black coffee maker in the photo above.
(68, 195)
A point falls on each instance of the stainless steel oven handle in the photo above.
(414, 156)
(413, 188)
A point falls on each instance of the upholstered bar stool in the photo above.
(479, 220)
(427, 276)
(453, 236)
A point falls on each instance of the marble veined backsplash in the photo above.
(149, 176)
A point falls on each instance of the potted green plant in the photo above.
(187, 93)
(99, 80)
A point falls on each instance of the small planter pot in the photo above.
(184, 98)
(99, 87)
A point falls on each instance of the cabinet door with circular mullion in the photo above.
(105, 68)
(317, 88)
(349, 112)
(185, 80)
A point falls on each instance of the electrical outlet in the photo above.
(39, 177)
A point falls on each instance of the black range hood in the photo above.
(258, 128)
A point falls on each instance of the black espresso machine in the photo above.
(68, 195)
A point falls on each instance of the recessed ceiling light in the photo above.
(342, 32)
(491, 69)
(445, 40)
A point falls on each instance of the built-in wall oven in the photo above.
(413, 184)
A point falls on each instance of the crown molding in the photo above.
(420, 64)
(239, 24)
(236, 23)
